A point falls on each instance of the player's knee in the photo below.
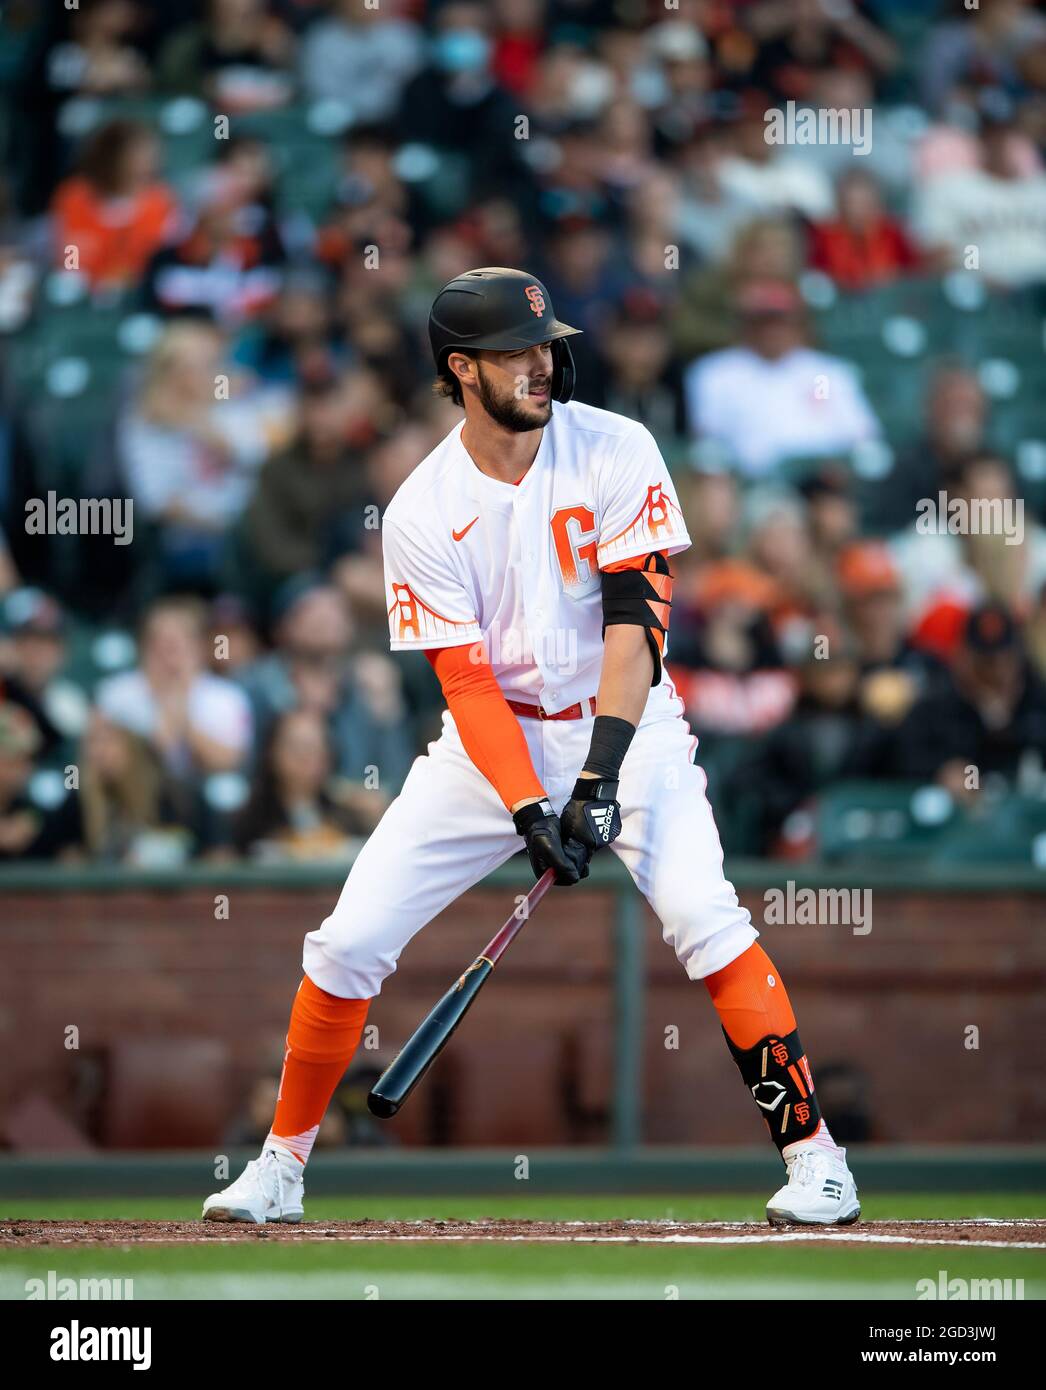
(357, 958)
(692, 919)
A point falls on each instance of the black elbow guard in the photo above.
(643, 598)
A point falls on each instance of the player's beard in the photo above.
(510, 412)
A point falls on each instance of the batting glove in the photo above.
(591, 819)
(539, 826)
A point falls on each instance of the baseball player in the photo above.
(529, 557)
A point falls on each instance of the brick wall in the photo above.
(533, 1062)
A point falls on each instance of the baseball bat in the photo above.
(431, 1036)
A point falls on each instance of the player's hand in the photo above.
(591, 819)
(539, 826)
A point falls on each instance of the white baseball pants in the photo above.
(448, 829)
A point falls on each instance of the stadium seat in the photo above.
(723, 758)
(1012, 831)
(881, 820)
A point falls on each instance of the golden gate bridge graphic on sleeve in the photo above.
(654, 522)
(417, 620)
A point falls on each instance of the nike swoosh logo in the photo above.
(460, 535)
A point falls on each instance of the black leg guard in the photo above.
(778, 1075)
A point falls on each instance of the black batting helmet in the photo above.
(503, 310)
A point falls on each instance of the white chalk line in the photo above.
(438, 1238)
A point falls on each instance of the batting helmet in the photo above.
(502, 310)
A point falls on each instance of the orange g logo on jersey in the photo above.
(535, 298)
(575, 536)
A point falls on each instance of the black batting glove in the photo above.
(591, 819)
(539, 826)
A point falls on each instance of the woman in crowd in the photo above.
(114, 213)
(293, 811)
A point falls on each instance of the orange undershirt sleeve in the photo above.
(489, 730)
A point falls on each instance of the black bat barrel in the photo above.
(427, 1041)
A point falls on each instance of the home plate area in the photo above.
(1028, 1235)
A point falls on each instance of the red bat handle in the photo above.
(499, 944)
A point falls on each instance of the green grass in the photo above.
(337, 1270)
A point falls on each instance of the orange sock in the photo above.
(750, 999)
(323, 1035)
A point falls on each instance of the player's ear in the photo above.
(461, 365)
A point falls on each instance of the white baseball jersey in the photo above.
(469, 558)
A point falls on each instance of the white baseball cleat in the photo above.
(270, 1188)
(820, 1191)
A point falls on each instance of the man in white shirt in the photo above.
(995, 213)
(772, 397)
(198, 722)
(774, 179)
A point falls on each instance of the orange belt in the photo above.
(577, 711)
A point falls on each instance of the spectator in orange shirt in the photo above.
(114, 214)
(862, 246)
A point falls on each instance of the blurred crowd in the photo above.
(221, 226)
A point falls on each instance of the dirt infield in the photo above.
(985, 1233)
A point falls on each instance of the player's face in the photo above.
(515, 388)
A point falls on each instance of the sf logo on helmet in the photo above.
(537, 299)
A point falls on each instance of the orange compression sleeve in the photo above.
(489, 730)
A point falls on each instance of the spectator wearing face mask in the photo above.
(455, 104)
(362, 55)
